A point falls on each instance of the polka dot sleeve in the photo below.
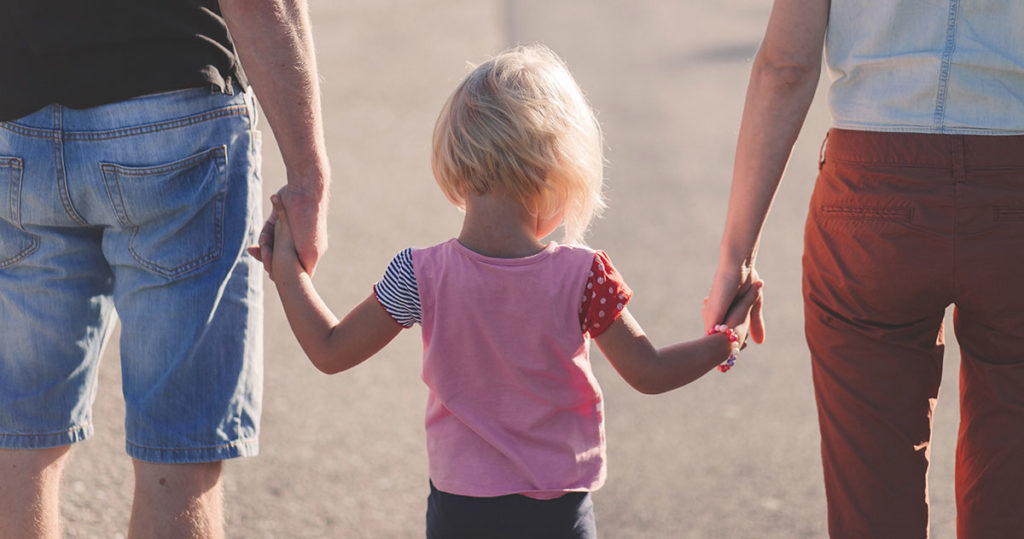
(604, 298)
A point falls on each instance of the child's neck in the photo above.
(499, 227)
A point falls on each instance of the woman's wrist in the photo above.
(736, 259)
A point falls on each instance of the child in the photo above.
(514, 421)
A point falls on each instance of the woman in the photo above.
(919, 204)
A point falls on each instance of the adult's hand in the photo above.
(730, 284)
(307, 215)
(782, 82)
(275, 43)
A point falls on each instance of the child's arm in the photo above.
(331, 345)
(651, 370)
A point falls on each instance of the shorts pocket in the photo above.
(15, 243)
(174, 211)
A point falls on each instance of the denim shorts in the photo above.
(139, 210)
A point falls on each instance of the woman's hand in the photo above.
(729, 291)
(744, 309)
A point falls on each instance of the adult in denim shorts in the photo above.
(130, 189)
(919, 204)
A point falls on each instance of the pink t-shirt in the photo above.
(513, 405)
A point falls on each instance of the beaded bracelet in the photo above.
(734, 345)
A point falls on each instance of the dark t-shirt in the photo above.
(83, 53)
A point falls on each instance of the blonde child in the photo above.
(514, 420)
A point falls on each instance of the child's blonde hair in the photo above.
(519, 123)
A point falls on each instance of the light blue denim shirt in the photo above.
(927, 66)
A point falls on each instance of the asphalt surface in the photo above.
(732, 455)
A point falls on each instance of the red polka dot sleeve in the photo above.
(605, 296)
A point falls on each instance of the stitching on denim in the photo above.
(78, 428)
(14, 164)
(177, 271)
(247, 441)
(32, 247)
(13, 188)
(51, 134)
(57, 120)
(939, 117)
(169, 167)
(117, 203)
(162, 126)
(14, 177)
(28, 131)
(900, 214)
(219, 156)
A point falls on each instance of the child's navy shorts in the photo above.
(451, 516)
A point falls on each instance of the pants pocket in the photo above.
(174, 211)
(900, 214)
(15, 243)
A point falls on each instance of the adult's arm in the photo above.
(782, 84)
(275, 44)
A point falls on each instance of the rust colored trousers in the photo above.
(902, 225)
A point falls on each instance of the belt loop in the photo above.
(821, 152)
(227, 89)
(957, 158)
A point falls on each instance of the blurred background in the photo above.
(732, 455)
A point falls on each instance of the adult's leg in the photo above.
(990, 445)
(29, 492)
(989, 323)
(187, 294)
(876, 280)
(177, 500)
(55, 313)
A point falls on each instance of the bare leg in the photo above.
(30, 492)
(177, 500)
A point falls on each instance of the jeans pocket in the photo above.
(15, 243)
(174, 212)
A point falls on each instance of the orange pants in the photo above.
(901, 225)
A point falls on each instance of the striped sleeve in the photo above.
(397, 291)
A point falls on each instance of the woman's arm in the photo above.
(782, 84)
(333, 346)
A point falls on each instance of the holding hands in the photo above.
(280, 254)
(736, 290)
(309, 216)
(744, 314)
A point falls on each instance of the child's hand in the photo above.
(285, 260)
(738, 317)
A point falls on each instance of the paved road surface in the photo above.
(730, 456)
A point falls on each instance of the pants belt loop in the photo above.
(821, 151)
(957, 155)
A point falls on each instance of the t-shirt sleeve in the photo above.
(397, 291)
(604, 297)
